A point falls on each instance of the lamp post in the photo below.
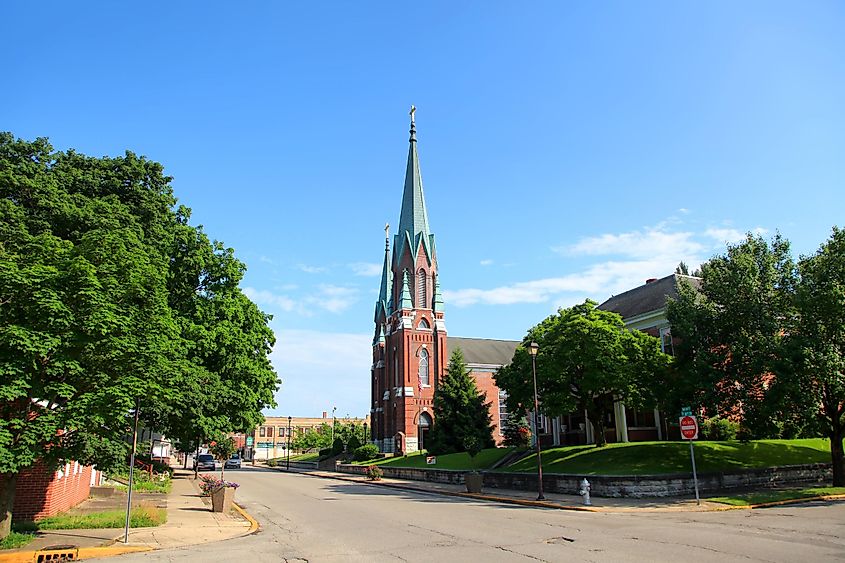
(333, 409)
(288, 448)
(532, 349)
(366, 439)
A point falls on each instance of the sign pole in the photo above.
(694, 475)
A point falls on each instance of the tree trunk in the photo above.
(8, 481)
(597, 420)
(837, 457)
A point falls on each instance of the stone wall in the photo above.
(642, 486)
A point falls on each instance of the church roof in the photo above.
(483, 350)
(652, 296)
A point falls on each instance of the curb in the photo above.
(777, 503)
(253, 523)
(79, 552)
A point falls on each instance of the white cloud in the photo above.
(333, 298)
(264, 297)
(321, 370)
(683, 211)
(727, 235)
(645, 244)
(367, 269)
(266, 259)
(311, 269)
(486, 262)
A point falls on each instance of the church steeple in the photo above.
(413, 219)
(382, 305)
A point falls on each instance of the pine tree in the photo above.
(516, 432)
(462, 420)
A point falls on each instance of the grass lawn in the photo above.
(140, 517)
(483, 460)
(305, 457)
(15, 540)
(655, 458)
(759, 497)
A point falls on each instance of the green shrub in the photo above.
(337, 447)
(365, 452)
(325, 452)
(719, 429)
(271, 462)
(353, 444)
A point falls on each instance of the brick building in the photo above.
(410, 346)
(41, 493)
(271, 438)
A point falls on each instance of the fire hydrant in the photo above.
(584, 491)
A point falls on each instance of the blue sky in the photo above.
(568, 150)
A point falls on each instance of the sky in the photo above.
(569, 150)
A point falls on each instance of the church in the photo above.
(411, 347)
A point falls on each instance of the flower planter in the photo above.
(474, 482)
(222, 498)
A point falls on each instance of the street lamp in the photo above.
(366, 439)
(288, 448)
(532, 349)
(333, 409)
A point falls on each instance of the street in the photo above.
(312, 519)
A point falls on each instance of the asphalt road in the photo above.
(312, 519)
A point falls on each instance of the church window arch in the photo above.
(424, 324)
(423, 368)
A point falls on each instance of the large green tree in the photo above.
(818, 338)
(587, 360)
(94, 277)
(462, 420)
(729, 353)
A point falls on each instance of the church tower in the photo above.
(409, 345)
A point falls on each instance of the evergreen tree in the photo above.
(516, 431)
(462, 420)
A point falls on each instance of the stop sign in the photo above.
(689, 428)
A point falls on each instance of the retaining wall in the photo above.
(636, 486)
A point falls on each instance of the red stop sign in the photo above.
(689, 428)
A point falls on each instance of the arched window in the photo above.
(421, 301)
(425, 420)
(423, 371)
(423, 324)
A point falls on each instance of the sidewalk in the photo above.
(190, 521)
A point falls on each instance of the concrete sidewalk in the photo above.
(190, 521)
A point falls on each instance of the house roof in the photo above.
(648, 297)
(483, 350)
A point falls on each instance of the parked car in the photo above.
(233, 462)
(204, 462)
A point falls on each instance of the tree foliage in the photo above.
(730, 334)
(462, 420)
(587, 360)
(107, 294)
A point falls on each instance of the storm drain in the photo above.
(57, 553)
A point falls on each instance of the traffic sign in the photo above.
(249, 440)
(686, 411)
(689, 428)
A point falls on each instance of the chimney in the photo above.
(325, 414)
(650, 280)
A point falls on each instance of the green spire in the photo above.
(413, 219)
(406, 293)
(382, 305)
(438, 297)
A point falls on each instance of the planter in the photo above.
(473, 482)
(222, 498)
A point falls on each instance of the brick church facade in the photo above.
(410, 345)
